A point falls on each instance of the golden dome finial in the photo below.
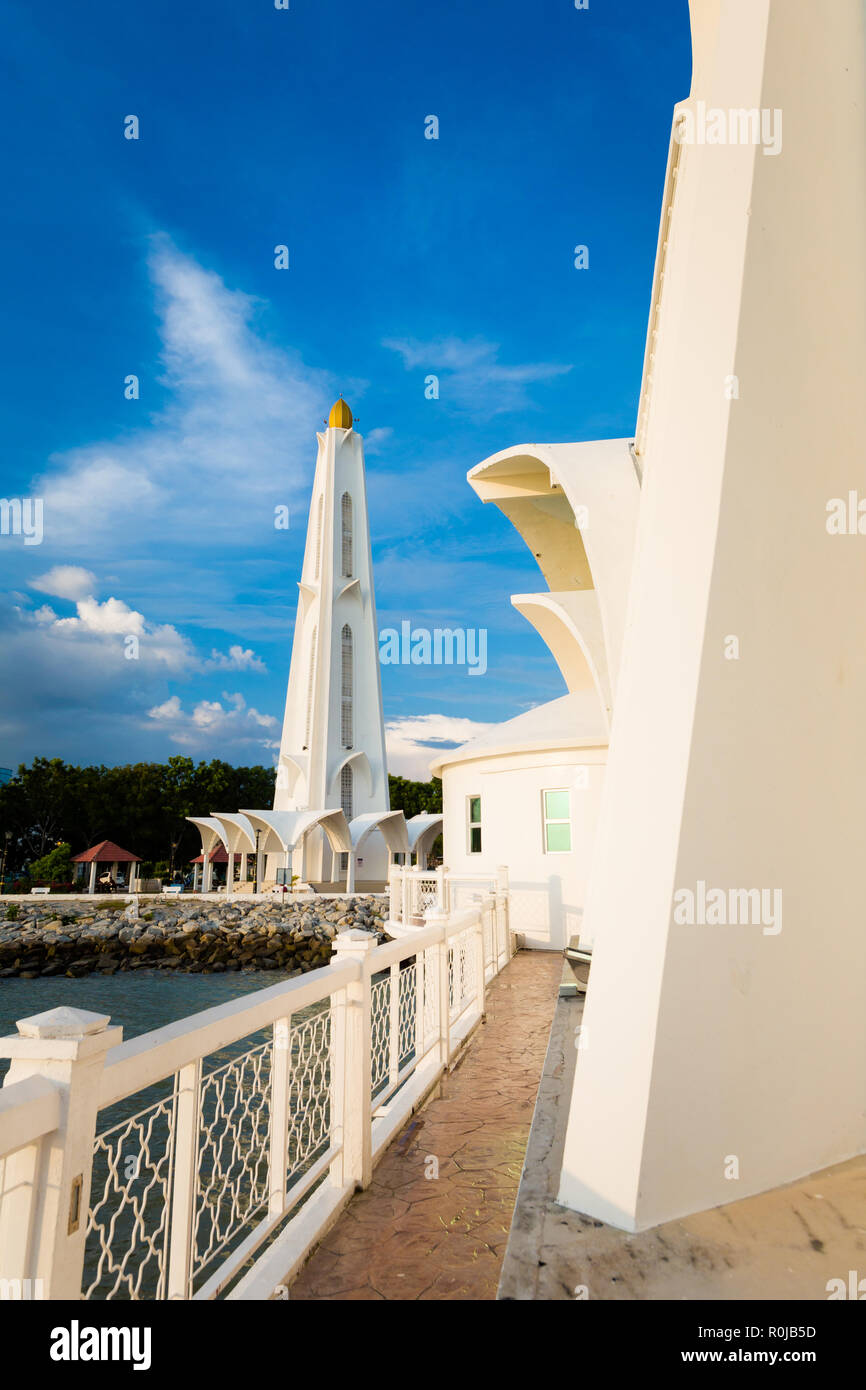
(340, 417)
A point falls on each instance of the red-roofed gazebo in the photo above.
(106, 852)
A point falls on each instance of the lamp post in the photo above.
(6, 838)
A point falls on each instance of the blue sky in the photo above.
(408, 256)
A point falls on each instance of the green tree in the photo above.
(415, 798)
(55, 866)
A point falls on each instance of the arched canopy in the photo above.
(570, 624)
(359, 762)
(575, 505)
(391, 824)
(422, 831)
(211, 831)
(238, 832)
(283, 830)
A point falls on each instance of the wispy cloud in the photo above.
(65, 581)
(412, 743)
(234, 724)
(233, 441)
(471, 376)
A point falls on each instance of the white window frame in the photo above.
(547, 820)
(474, 824)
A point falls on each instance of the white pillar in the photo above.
(230, 873)
(350, 872)
(206, 873)
(91, 888)
(196, 874)
(357, 1078)
(244, 869)
(44, 1209)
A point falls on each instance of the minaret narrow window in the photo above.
(346, 509)
(346, 688)
(319, 516)
(311, 686)
(346, 790)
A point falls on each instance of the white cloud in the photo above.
(210, 719)
(471, 376)
(98, 626)
(65, 581)
(236, 659)
(234, 440)
(412, 742)
(374, 441)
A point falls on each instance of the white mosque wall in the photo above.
(728, 1059)
(547, 889)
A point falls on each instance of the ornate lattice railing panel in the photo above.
(309, 1093)
(461, 972)
(234, 1120)
(380, 1033)
(127, 1231)
(425, 895)
(407, 1010)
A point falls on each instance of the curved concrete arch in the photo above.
(286, 829)
(422, 831)
(352, 589)
(570, 624)
(211, 832)
(239, 836)
(549, 492)
(357, 760)
(391, 824)
(295, 765)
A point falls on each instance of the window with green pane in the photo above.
(557, 822)
(474, 817)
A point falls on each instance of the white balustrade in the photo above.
(159, 1168)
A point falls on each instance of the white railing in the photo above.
(414, 893)
(161, 1167)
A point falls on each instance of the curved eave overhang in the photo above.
(571, 626)
(423, 829)
(390, 824)
(509, 748)
(238, 833)
(575, 506)
(284, 830)
(211, 832)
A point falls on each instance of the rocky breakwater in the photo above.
(182, 934)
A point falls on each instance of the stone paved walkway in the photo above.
(414, 1236)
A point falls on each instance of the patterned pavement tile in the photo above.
(410, 1236)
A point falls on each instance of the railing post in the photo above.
(187, 1094)
(480, 964)
(395, 894)
(67, 1047)
(439, 957)
(503, 926)
(281, 1073)
(407, 896)
(356, 944)
(337, 1170)
(441, 889)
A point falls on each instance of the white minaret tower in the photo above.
(332, 752)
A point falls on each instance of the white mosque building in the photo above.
(527, 793)
(331, 824)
